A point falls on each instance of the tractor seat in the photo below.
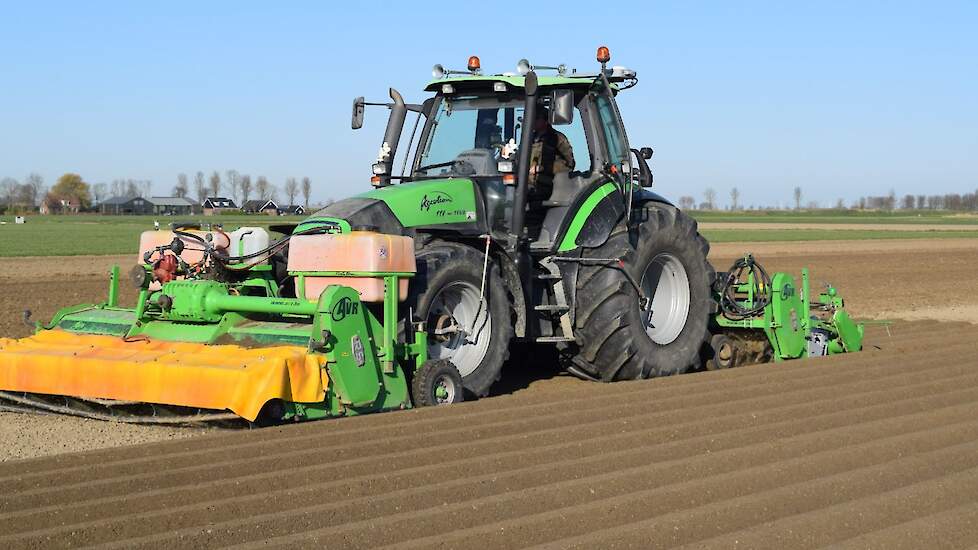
(566, 187)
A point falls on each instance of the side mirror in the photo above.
(357, 121)
(562, 107)
(643, 173)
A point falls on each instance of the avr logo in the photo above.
(436, 198)
(343, 308)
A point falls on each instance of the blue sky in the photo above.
(844, 99)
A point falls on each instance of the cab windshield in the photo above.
(468, 135)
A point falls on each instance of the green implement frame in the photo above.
(793, 324)
(365, 359)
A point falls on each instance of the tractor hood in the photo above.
(391, 209)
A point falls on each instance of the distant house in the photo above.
(291, 210)
(173, 206)
(159, 206)
(266, 207)
(216, 205)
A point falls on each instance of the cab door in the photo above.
(611, 135)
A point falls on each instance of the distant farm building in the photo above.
(216, 205)
(292, 210)
(158, 206)
(266, 207)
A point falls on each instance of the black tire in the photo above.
(725, 353)
(612, 343)
(437, 383)
(443, 264)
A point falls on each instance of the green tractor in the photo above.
(413, 293)
(609, 272)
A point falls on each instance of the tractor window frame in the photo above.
(600, 90)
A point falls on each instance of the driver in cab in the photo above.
(550, 154)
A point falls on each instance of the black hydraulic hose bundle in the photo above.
(745, 270)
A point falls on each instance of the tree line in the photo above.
(955, 202)
(241, 187)
(71, 193)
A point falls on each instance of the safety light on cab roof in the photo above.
(604, 55)
(475, 66)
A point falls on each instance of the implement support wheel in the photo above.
(724, 353)
(437, 382)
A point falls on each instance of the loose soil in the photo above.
(876, 449)
(873, 449)
(774, 226)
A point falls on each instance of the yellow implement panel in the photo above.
(170, 373)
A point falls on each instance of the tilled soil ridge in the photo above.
(877, 449)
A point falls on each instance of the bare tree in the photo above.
(306, 190)
(710, 197)
(215, 184)
(687, 203)
(232, 182)
(100, 192)
(182, 188)
(734, 197)
(291, 189)
(245, 185)
(797, 198)
(263, 188)
(33, 188)
(921, 202)
(200, 187)
(133, 189)
(147, 188)
(9, 189)
(840, 204)
(118, 188)
(908, 202)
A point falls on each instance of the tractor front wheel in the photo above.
(467, 318)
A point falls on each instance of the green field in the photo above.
(83, 235)
(928, 217)
(93, 234)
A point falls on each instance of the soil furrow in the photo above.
(634, 446)
(526, 516)
(511, 498)
(851, 518)
(39, 492)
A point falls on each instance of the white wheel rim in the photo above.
(459, 313)
(444, 383)
(666, 284)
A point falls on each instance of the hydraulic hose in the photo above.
(743, 271)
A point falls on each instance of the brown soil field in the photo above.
(876, 449)
(840, 226)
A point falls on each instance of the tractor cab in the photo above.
(480, 128)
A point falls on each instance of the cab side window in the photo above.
(617, 150)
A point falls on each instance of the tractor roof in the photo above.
(516, 81)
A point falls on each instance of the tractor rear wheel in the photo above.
(621, 338)
(468, 323)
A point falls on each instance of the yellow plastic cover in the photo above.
(218, 377)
